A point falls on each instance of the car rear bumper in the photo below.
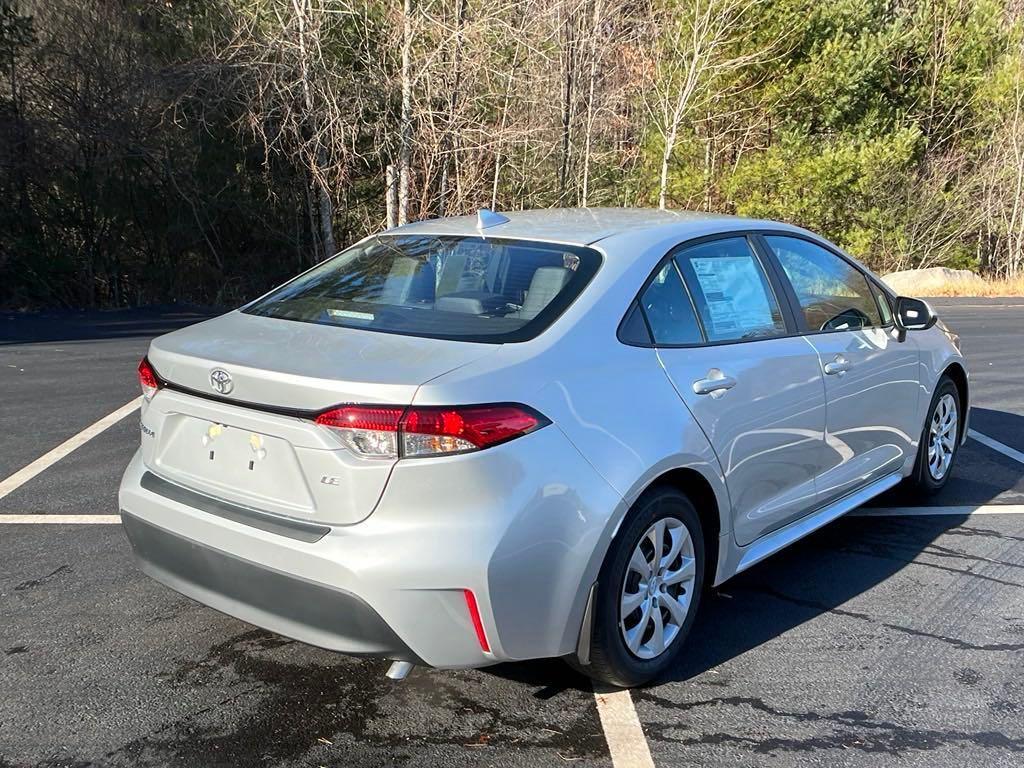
(313, 613)
(522, 525)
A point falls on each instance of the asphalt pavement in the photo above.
(878, 641)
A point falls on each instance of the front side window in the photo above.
(884, 308)
(833, 295)
(731, 291)
(447, 287)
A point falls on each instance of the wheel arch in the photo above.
(712, 512)
(699, 490)
(958, 374)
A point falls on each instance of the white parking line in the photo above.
(984, 509)
(995, 445)
(42, 519)
(626, 742)
(47, 460)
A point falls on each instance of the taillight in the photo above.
(391, 432)
(366, 430)
(428, 431)
(148, 379)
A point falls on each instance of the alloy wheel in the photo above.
(658, 588)
(942, 435)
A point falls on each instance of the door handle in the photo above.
(716, 384)
(838, 366)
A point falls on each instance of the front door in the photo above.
(755, 390)
(871, 377)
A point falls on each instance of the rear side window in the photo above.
(462, 288)
(633, 329)
(731, 291)
(833, 295)
(668, 309)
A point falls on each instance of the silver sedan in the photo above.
(544, 433)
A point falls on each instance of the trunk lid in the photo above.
(287, 364)
(253, 441)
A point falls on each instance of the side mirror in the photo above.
(914, 314)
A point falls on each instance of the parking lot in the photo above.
(893, 637)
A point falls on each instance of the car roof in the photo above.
(581, 226)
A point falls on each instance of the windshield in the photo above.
(463, 288)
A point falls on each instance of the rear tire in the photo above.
(940, 440)
(659, 596)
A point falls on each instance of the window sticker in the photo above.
(734, 293)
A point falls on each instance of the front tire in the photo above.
(940, 440)
(648, 590)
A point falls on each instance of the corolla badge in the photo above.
(221, 381)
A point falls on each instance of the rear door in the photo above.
(871, 375)
(725, 339)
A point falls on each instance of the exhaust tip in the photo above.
(399, 670)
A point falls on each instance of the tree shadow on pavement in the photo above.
(815, 576)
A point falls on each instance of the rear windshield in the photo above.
(463, 288)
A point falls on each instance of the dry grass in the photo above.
(1005, 286)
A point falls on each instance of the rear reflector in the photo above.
(390, 431)
(478, 625)
(148, 380)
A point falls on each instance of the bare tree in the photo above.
(296, 98)
(693, 47)
(318, 157)
(405, 128)
(1002, 179)
(450, 136)
(596, 54)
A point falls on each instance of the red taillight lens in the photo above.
(429, 431)
(478, 625)
(390, 431)
(362, 417)
(148, 379)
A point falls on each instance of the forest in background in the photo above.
(204, 150)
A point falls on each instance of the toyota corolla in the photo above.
(503, 437)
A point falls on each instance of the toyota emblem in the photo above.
(221, 381)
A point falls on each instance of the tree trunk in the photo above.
(506, 103)
(595, 26)
(666, 157)
(326, 222)
(709, 161)
(405, 127)
(391, 196)
(314, 230)
(568, 73)
(317, 158)
(450, 135)
(1015, 228)
(501, 133)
